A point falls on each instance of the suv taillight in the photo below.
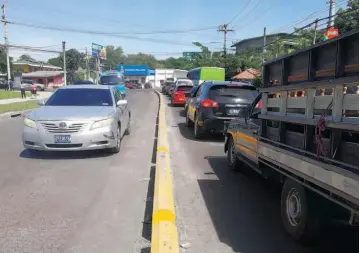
(208, 103)
(259, 104)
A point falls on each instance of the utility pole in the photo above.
(331, 13)
(64, 59)
(6, 40)
(87, 64)
(264, 47)
(316, 26)
(224, 28)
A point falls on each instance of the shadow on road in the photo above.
(245, 211)
(187, 133)
(63, 155)
(182, 113)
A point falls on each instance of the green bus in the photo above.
(199, 75)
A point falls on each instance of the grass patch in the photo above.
(4, 94)
(19, 106)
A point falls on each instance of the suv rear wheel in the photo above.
(198, 131)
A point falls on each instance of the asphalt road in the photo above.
(79, 202)
(219, 211)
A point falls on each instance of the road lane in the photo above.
(77, 202)
(219, 211)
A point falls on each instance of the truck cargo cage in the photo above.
(309, 85)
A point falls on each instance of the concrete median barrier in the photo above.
(164, 237)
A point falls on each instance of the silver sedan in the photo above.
(81, 117)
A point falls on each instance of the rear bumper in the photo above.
(215, 125)
(179, 102)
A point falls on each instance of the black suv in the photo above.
(217, 102)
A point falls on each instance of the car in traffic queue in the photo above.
(178, 94)
(147, 85)
(115, 78)
(217, 102)
(165, 87)
(170, 89)
(188, 96)
(78, 117)
(80, 82)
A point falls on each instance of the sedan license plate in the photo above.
(233, 111)
(62, 139)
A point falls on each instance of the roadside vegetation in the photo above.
(19, 106)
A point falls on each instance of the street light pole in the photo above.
(64, 59)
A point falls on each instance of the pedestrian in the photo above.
(33, 90)
(11, 84)
(22, 89)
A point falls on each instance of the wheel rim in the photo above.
(293, 207)
(232, 153)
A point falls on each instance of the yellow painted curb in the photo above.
(164, 236)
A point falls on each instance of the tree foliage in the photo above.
(346, 22)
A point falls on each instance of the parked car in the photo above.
(79, 82)
(130, 85)
(178, 94)
(28, 83)
(138, 86)
(4, 84)
(83, 117)
(216, 102)
(148, 85)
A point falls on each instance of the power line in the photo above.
(238, 14)
(304, 19)
(314, 22)
(112, 34)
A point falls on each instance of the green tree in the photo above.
(114, 57)
(26, 57)
(349, 21)
(141, 59)
(56, 61)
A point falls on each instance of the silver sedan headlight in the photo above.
(30, 123)
(102, 123)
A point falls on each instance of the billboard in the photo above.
(133, 70)
(151, 72)
(98, 51)
(330, 33)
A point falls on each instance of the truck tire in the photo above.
(234, 163)
(298, 213)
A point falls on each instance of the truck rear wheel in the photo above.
(233, 162)
(298, 213)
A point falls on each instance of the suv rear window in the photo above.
(184, 82)
(232, 91)
(184, 88)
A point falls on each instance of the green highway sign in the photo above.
(190, 55)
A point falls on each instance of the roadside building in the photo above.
(257, 43)
(27, 66)
(247, 75)
(142, 74)
(49, 78)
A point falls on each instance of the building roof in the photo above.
(43, 74)
(247, 74)
(36, 64)
(259, 37)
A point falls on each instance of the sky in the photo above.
(121, 18)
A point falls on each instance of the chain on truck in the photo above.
(306, 134)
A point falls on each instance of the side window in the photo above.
(255, 106)
(199, 91)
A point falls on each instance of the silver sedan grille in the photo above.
(55, 128)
